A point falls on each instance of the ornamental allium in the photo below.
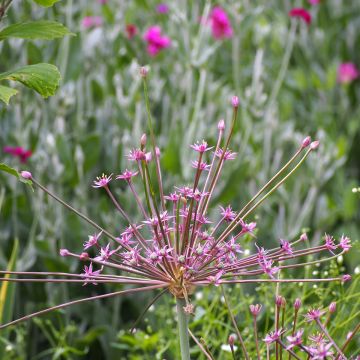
(301, 13)
(296, 339)
(155, 40)
(19, 152)
(173, 245)
(347, 73)
(314, 314)
(220, 24)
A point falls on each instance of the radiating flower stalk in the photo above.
(176, 248)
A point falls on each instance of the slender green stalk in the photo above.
(183, 329)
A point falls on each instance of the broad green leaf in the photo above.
(6, 93)
(46, 30)
(12, 171)
(43, 78)
(46, 3)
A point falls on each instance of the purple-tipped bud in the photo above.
(64, 252)
(303, 237)
(306, 142)
(157, 152)
(235, 101)
(231, 340)
(346, 278)
(143, 140)
(221, 125)
(314, 145)
(332, 307)
(26, 174)
(189, 309)
(279, 301)
(255, 309)
(84, 256)
(143, 71)
(297, 304)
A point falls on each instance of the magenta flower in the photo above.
(91, 21)
(19, 152)
(201, 147)
(220, 24)
(93, 240)
(347, 72)
(330, 243)
(127, 175)
(131, 30)
(227, 213)
(162, 8)
(155, 40)
(286, 247)
(321, 352)
(301, 13)
(89, 274)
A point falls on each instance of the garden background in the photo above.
(289, 76)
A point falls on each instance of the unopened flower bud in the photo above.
(332, 307)
(279, 301)
(297, 304)
(346, 278)
(306, 142)
(221, 125)
(64, 252)
(84, 256)
(314, 145)
(143, 71)
(235, 101)
(157, 152)
(148, 157)
(143, 140)
(303, 237)
(26, 174)
(255, 309)
(231, 340)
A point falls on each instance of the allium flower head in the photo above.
(220, 24)
(155, 40)
(301, 13)
(273, 336)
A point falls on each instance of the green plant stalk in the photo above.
(183, 329)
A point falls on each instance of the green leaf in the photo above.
(46, 30)
(6, 93)
(12, 171)
(46, 3)
(43, 78)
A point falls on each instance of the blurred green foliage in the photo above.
(98, 114)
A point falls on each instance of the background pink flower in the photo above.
(347, 72)
(300, 13)
(131, 30)
(162, 8)
(90, 21)
(19, 152)
(156, 41)
(220, 24)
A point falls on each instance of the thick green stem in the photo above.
(183, 329)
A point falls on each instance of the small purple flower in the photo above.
(255, 309)
(136, 155)
(105, 253)
(314, 314)
(266, 266)
(345, 243)
(201, 147)
(286, 247)
(295, 340)
(202, 166)
(174, 197)
(93, 239)
(273, 336)
(321, 352)
(227, 213)
(89, 273)
(102, 181)
(229, 155)
(216, 279)
(330, 243)
(156, 41)
(127, 175)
